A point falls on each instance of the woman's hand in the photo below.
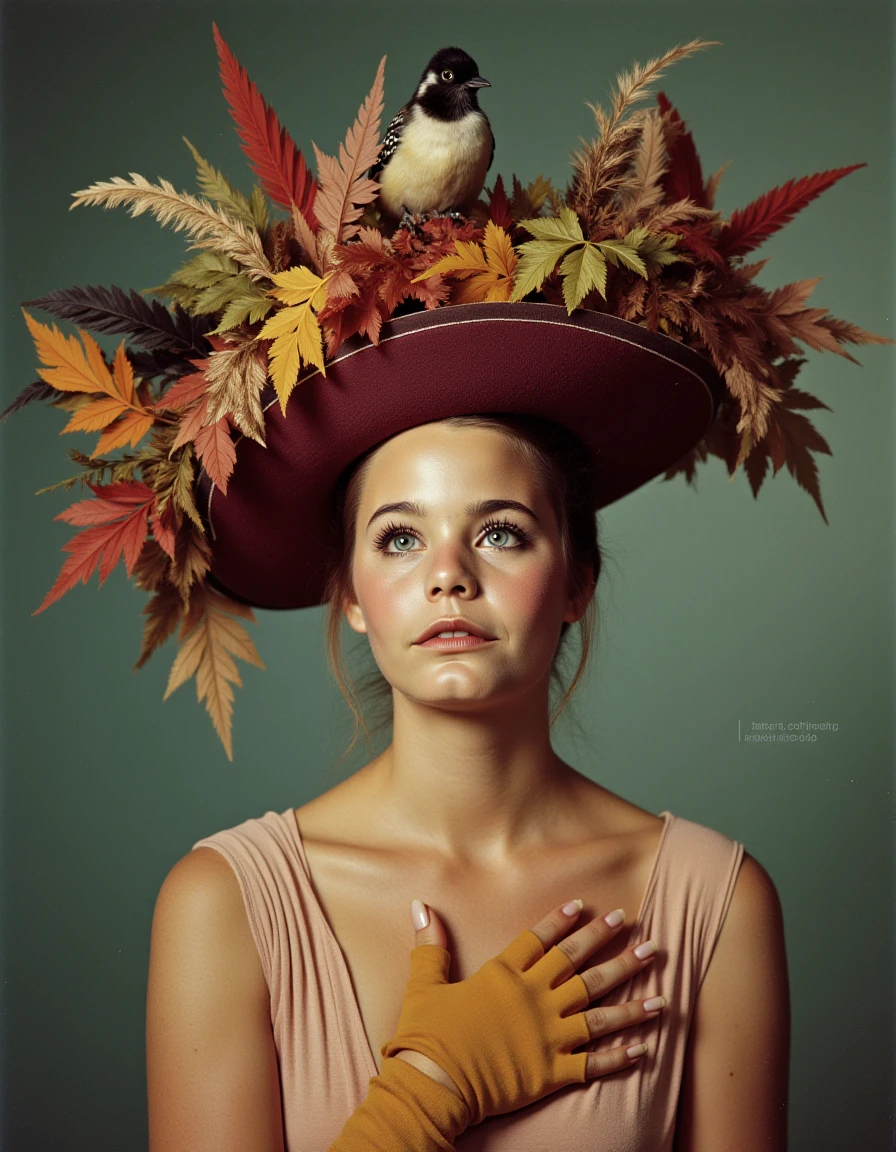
(507, 1033)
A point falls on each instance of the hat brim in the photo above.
(637, 399)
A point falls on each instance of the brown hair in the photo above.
(562, 464)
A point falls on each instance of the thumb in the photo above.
(428, 927)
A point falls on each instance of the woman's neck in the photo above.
(473, 788)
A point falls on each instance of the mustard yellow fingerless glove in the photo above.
(504, 1035)
(404, 1111)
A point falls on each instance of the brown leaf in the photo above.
(209, 639)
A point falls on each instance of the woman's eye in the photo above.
(447, 74)
(404, 540)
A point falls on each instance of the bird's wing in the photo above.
(492, 155)
(390, 143)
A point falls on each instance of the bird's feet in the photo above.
(413, 221)
(452, 214)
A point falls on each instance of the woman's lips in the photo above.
(455, 643)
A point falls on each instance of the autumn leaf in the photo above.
(118, 519)
(749, 226)
(149, 324)
(163, 611)
(212, 443)
(112, 395)
(486, 269)
(344, 185)
(294, 330)
(209, 639)
(269, 148)
(499, 205)
(583, 269)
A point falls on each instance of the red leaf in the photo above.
(698, 238)
(683, 178)
(499, 206)
(119, 517)
(749, 226)
(270, 149)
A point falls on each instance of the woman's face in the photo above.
(445, 560)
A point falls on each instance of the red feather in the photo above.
(270, 149)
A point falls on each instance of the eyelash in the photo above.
(391, 529)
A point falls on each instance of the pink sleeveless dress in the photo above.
(325, 1057)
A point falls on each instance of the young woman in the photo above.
(295, 925)
(441, 470)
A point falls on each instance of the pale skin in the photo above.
(470, 784)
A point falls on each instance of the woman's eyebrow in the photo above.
(474, 508)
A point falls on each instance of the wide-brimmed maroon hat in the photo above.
(637, 399)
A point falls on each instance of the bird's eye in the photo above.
(447, 74)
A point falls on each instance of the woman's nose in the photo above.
(451, 569)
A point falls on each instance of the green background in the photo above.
(718, 610)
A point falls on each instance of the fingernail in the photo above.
(614, 919)
(572, 907)
(646, 949)
(654, 1003)
(635, 1051)
(419, 914)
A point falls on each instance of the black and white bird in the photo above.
(439, 146)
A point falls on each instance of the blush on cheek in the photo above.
(534, 597)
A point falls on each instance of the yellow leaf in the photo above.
(284, 361)
(487, 270)
(299, 284)
(297, 338)
(468, 258)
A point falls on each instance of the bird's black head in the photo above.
(449, 84)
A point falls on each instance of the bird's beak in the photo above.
(478, 82)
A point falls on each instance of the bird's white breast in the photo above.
(438, 165)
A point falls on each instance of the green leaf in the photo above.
(538, 258)
(617, 252)
(582, 270)
(566, 227)
(217, 188)
(242, 309)
(655, 247)
(231, 288)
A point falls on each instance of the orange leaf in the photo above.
(129, 430)
(217, 451)
(73, 369)
(69, 367)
